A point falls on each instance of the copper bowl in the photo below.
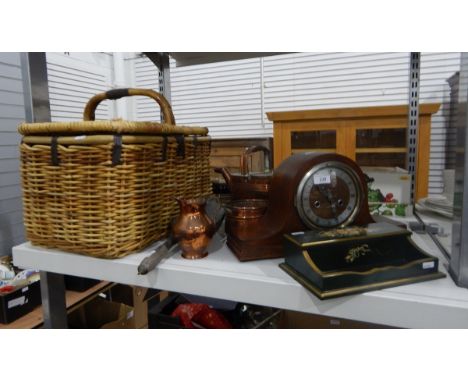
(247, 208)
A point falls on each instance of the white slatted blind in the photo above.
(146, 77)
(331, 80)
(225, 97)
(11, 115)
(436, 69)
(73, 79)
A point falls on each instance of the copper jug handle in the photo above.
(244, 163)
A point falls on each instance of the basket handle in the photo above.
(244, 163)
(90, 109)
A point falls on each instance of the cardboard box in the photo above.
(19, 302)
(102, 314)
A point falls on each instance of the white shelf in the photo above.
(432, 304)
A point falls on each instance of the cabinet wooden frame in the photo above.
(345, 122)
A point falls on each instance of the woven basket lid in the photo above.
(117, 126)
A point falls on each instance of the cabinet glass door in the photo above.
(381, 147)
(315, 141)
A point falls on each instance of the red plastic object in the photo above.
(7, 289)
(211, 319)
(200, 315)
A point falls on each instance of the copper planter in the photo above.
(241, 217)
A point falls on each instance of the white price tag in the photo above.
(16, 302)
(322, 179)
(428, 265)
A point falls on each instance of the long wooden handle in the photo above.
(150, 262)
(89, 113)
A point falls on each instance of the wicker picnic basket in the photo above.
(108, 188)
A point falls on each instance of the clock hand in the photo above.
(331, 201)
(328, 195)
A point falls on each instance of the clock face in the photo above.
(328, 196)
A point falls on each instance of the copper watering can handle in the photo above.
(93, 103)
(244, 163)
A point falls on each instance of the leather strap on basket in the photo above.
(180, 145)
(54, 155)
(117, 150)
(89, 113)
(164, 149)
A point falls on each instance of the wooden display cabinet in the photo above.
(372, 136)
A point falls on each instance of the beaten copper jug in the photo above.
(193, 228)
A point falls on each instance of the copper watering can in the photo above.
(249, 185)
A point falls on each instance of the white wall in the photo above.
(12, 113)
